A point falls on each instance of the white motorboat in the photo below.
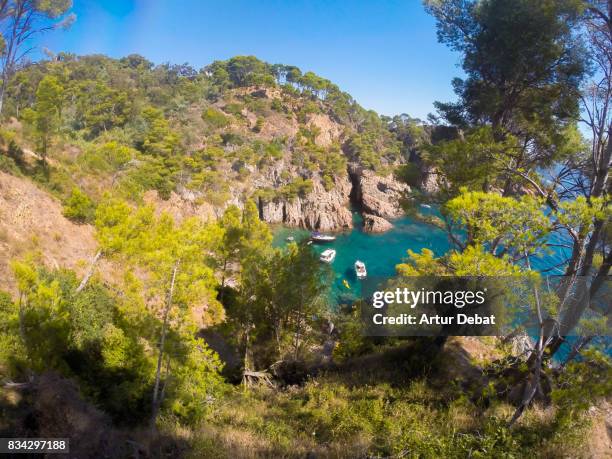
(319, 237)
(290, 239)
(328, 255)
(426, 206)
(360, 269)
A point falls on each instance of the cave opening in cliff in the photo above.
(355, 193)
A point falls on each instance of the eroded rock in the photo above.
(375, 224)
(380, 196)
(319, 210)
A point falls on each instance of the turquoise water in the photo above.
(380, 252)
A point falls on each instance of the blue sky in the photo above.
(384, 53)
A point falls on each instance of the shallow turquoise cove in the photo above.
(380, 252)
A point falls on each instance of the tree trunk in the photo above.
(2, 90)
(532, 383)
(155, 406)
(89, 272)
(245, 361)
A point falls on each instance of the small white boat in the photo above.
(328, 255)
(319, 237)
(426, 206)
(290, 239)
(360, 269)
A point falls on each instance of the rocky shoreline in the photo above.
(377, 198)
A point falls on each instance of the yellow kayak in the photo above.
(346, 284)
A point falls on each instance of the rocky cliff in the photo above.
(378, 198)
(319, 210)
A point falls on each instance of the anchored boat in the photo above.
(319, 237)
(360, 269)
(328, 255)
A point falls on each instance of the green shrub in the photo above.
(8, 165)
(408, 173)
(234, 109)
(214, 118)
(277, 106)
(231, 138)
(298, 187)
(78, 207)
(258, 124)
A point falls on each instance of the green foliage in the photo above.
(245, 237)
(409, 174)
(110, 157)
(159, 139)
(232, 138)
(79, 207)
(518, 104)
(280, 300)
(105, 342)
(297, 187)
(581, 384)
(214, 118)
(522, 60)
(371, 145)
(258, 124)
(375, 419)
(99, 107)
(45, 117)
(277, 105)
(473, 261)
(473, 161)
(241, 71)
(520, 225)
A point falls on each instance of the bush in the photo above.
(298, 187)
(277, 106)
(258, 124)
(234, 109)
(408, 173)
(214, 118)
(231, 138)
(78, 207)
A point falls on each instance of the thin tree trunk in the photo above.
(222, 293)
(2, 91)
(532, 383)
(89, 272)
(576, 349)
(163, 390)
(155, 406)
(245, 362)
(22, 317)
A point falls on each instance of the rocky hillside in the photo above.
(31, 221)
(194, 142)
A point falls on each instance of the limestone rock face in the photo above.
(379, 196)
(379, 199)
(430, 180)
(319, 210)
(374, 224)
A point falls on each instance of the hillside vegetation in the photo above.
(232, 130)
(145, 312)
